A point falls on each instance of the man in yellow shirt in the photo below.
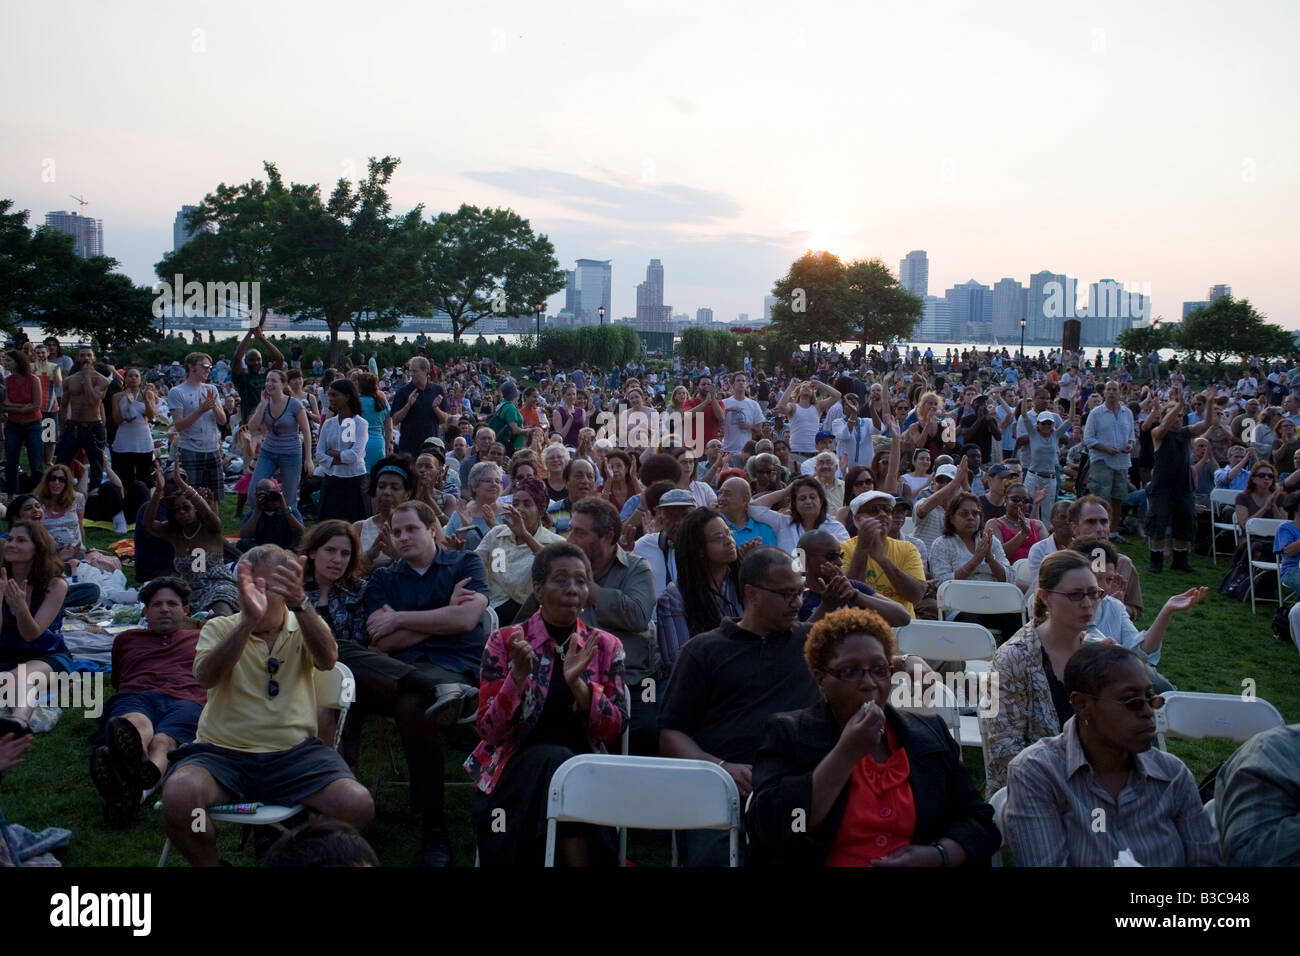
(256, 739)
(891, 567)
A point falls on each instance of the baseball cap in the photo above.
(999, 470)
(822, 436)
(677, 498)
(435, 441)
(868, 496)
(946, 471)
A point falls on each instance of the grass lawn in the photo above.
(1216, 648)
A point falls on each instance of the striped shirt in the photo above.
(1057, 814)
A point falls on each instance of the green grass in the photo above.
(1213, 648)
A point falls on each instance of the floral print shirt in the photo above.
(1021, 711)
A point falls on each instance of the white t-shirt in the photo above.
(183, 400)
(739, 410)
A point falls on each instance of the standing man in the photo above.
(709, 413)
(51, 374)
(83, 415)
(743, 415)
(256, 738)
(247, 373)
(1170, 495)
(1110, 436)
(198, 416)
(417, 408)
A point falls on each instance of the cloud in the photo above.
(662, 204)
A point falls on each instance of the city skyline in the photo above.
(1206, 190)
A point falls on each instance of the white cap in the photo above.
(856, 504)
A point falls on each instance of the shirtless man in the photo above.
(82, 415)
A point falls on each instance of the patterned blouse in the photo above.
(1021, 706)
(506, 714)
(347, 612)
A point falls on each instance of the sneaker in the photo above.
(127, 748)
(455, 702)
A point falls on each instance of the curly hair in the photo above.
(66, 497)
(835, 628)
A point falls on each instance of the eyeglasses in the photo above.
(789, 597)
(1076, 597)
(854, 672)
(863, 481)
(272, 685)
(1018, 499)
(54, 478)
(1135, 704)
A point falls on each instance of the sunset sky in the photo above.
(1150, 143)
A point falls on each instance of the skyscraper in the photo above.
(181, 233)
(769, 303)
(936, 320)
(87, 233)
(592, 281)
(1009, 300)
(1111, 310)
(704, 316)
(1218, 292)
(972, 311)
(651, 313)
(1049, 303)
(914, 273)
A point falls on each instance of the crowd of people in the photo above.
(698, 563)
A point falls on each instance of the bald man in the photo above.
(733, 504)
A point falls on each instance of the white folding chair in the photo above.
(1223, 518)
(1263, 528)
(336, 689)
(909, 528)
(998, 802)
(953, 641)
(1020, 571)
(981, 597)
(1194, 716)
(653, 793)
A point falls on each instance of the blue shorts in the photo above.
(282, 777)
(173, 716)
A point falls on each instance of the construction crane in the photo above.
(83, 203)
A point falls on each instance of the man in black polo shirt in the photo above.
(418, 408)
(728, 681)
(424, 618)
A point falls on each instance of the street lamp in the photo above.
(539, 306)
(1022, 340)
(601, 310)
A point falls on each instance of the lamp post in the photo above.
(1022, 340)
(538, 307)
(601, 310)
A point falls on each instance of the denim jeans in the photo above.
(90, 436)
(289, 465)
(18, 434)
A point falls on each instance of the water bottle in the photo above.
(1093, 635)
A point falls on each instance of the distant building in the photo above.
(87, 233)
(181, 233)
(1218, 292)
(1112, 309)
(704, 316)
(914, 273)
(936, 320)
(592, 283)
(1009, 307)
(1051, 300)
(971, 317)
(651, 313)
(769, 303)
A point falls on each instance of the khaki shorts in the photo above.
(1107, 482)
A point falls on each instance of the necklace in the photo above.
(191, 537)
(562, 650)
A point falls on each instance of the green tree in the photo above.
(480, 262)
(815, 301)
(1141, 339)
(1228, 327)
(885, 312)
(348, 261)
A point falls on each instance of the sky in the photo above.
(1155, 144)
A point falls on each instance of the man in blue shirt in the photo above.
(733, 503)
(424, 620)
(417, 408)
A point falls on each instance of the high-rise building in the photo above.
(1218, 292)
(971, 305)
(571, 293)
(181, 233)
(936, 320)
(769, 303)
(704, 316)
(592, 282)
(1009, 301)
(1049, 303)
(914, 273)
(1111, 310)
(651, 313)
(87, 233)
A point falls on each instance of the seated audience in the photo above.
(964, 553)
(733, 504)
(391, 484)
(320, 843)
(893, 568)
(507, 550)
(551, 688)
(157, 704)
(1098, 789)
(879, 786)
(472, 521)
(829, 590)
(31, 614)
(667, 508)
(1257, 800)
(194, 526)
(709, 562)
(1017, 531)
(805, 498)
(271, 521)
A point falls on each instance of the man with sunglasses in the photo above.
(256, 739)
(728, 681)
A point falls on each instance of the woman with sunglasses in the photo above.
(1018, 531)
(65, 511)
(1262, 497)
(1031, 701)
(874, 785)
(1147, 798)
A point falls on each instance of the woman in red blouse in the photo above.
(620, 482)
(877, 786)
(23, 407)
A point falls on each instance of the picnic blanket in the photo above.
(19, 846)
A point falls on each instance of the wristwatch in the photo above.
(306, 605)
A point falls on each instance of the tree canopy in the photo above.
(1231, 327)
(824, 300)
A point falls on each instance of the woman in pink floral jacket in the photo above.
(550, 688)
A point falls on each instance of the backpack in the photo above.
(501, 427)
